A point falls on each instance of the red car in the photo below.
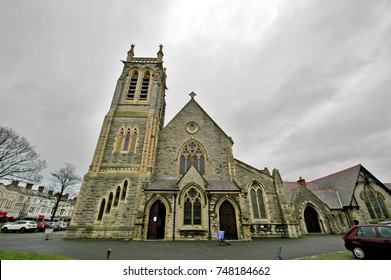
(41, 226)
(369, 240)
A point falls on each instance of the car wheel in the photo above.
(358, 252)
(22, 230)
(4, 229)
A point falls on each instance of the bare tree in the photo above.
(18, 159)
(64, 179)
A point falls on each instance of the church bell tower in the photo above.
(124, 158)
(135, 117)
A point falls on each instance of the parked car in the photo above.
(62, 225)
(369, 240)
(21, 225)
(52, 225)
(41, 225)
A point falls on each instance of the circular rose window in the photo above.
(192, 127)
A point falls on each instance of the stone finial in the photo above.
(130, 53)
(192, 95)
(160, 54)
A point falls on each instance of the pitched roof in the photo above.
(291, 190)
(163, 184)
(329, 196)
(222, 185)
(342, 182)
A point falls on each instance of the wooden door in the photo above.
(311, 220)
(228, 221)
(157, 221)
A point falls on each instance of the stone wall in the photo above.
(211, 137)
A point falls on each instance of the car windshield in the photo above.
(385, 232)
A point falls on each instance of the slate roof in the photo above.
(336, 190)
(222, 185)
(163, 184)
(329, 196)
(342, 183)
(291, 190)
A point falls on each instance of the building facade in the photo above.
(23, 202)
(180, 181)
(333, 203)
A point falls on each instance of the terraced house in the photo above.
(181, 181)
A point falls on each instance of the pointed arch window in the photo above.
(124, 190)
(119, 140)
(102, 209)
(192, 207)
(109, 202)
(192, 154)
(126, 142)
(132, 86)
(257, 197)
(374, 201)
(133, 141)
(145, 87)
(117, 194)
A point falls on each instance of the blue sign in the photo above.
(220, 234)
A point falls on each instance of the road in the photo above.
(91, 249)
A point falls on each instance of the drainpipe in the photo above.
(209, 227)
(173, 228)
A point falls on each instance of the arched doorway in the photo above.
(157, 221)
(228, 220)
(311, 220)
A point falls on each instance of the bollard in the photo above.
(108, 256)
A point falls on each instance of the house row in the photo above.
(26, 202)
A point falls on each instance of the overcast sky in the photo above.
(301, 86)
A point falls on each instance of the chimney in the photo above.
(15, 183)
(130, 53)
(302, 182)
(29, 186)
(40, 189)
(65, 196)
(160, 54)
(50, 192)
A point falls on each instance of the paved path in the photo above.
(259, 249)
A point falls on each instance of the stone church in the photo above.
(180, 181)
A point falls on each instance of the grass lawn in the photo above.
(29, 256)
(339, 255)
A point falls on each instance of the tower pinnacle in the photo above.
(160, 54)
(130, 53)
